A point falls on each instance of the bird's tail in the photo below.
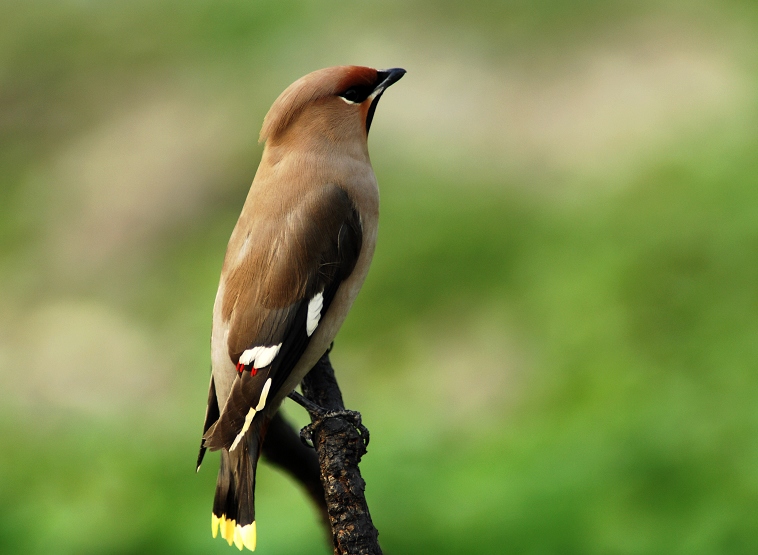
(234, 503)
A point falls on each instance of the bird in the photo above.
(295, 261)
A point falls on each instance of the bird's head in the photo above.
(335, 104)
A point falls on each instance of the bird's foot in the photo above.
(319, 414)
(352, 416)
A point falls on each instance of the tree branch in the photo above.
(330, 473)
(283, 448)
(340, 445)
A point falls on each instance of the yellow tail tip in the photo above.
(249, 536)
(229, 537)
(214, 525)
(238, 537)
(222, 526)
(233, 533)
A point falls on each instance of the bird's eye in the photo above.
(350, 94)
(357, 94)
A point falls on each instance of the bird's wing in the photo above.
(275, 299)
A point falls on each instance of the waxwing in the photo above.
(294, 264)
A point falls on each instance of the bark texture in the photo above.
(340, 446)
(329, 474)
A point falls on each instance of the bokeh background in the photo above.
(555, 350)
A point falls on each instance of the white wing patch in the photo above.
(251, 414)
(260, 356)
(314, 313)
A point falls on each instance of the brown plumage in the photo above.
(293, 267)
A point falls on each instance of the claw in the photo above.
(306, 436)
(319, 414)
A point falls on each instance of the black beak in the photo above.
(384, 78)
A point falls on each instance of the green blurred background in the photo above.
(555, 349)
